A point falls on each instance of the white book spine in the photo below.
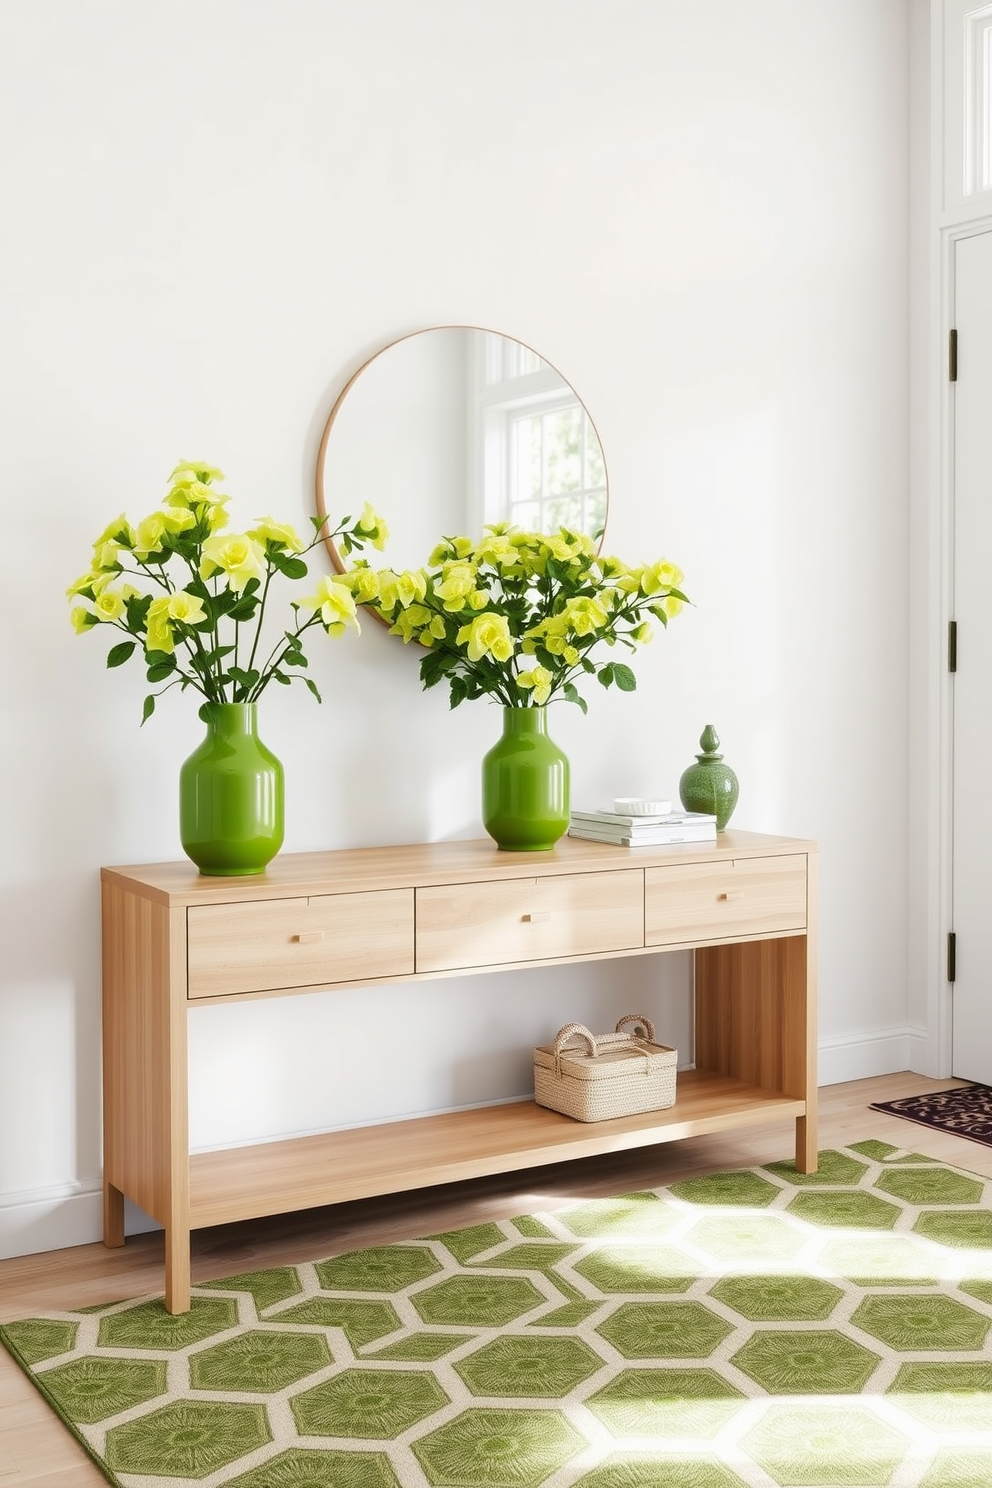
(665, 839)
(637, 823)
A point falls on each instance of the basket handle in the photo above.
(571, 1030)
(638, 1018)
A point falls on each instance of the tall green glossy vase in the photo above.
(525, 784)
(231, 795)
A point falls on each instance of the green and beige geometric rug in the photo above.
(753, 1329)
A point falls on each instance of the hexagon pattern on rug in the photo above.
(92, 1389)
(371, 1404)
(498, 1447)
(757, 1329)
(260, 1361)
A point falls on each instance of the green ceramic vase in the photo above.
(710, 785)
(525, 784)
(231, 795)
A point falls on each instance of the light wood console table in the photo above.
(172, 939)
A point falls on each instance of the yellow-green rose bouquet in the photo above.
(191, 597)
(518, 615)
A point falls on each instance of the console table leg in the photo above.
(177, 1270)
(807, 1155)
(113, 1215)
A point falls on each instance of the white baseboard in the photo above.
(59, 1217)
(920, 1053)
(72, 1214)
(859, 1056)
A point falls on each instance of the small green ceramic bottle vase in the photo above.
(525, 784)
(710, 785)
(231, 795)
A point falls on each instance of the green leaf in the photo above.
(606, 674)
(433, 667)
(313, 688)
(293, 568)
(159, 670)
(118, 655)
(244, 609)
(198, 588)
(148, 708)
(281, 677)
(217, 654)
(245, 678)
(571, 694)
(624, 677)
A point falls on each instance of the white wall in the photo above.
(214, 212)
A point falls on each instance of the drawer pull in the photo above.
(730, 894)
(538, 915)
(309, 937)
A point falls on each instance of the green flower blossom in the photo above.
(236, 554)
(335, 603)
(363, 583)
(487, 635)
(280, 534)
(81, 619)
(109, 605)
(458, 582)
(540, 679)
(373, 528)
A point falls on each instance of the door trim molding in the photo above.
(939, 217)
(940, 1023)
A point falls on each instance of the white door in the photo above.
(972, 686)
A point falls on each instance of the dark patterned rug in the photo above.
(965, 1110)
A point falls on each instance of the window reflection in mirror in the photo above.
(454, 428)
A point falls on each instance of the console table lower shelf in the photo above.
(278, 1177)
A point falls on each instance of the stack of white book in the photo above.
(636, 830)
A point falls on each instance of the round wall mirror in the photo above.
(450, 429)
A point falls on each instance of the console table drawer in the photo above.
(696, 902)
(259, 946)
(529, 919)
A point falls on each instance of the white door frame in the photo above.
(944, 207)
(939, 541)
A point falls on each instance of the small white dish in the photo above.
(639, 806)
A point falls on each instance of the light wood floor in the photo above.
(35, 1448)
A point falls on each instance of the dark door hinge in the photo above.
(952, 955)
(952, 645)
(952, 356)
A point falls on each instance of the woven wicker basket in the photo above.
(615, 1074)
